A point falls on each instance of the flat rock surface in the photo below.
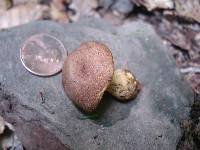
(151, 121)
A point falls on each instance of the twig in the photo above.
(46, 107)
(190, 70)
(42, 97)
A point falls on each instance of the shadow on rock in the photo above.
(109, 111)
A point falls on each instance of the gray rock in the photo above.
(105, 3)
(123, 6)
(151, 121)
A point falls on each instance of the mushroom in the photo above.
(124, 85)
(87, 73)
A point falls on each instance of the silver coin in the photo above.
(43, 55)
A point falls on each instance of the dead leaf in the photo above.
(5, 4)
(18, 2)
(188, 8)
(57, 11)
(2, 125)
(152, 4)
(83, 8)
(22, 14)
(194, 80)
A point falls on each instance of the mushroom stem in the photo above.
(123, 85)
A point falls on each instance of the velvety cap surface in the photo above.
(87, 73)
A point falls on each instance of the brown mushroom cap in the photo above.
(87, 72)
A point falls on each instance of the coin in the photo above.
(43, 54)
